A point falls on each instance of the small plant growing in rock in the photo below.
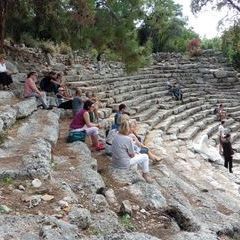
(48, 47)
(127, 222)
(7, 180)
(194, 47)
(64, 48)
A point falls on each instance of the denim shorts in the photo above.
(144, 150)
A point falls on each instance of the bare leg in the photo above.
(94, 139)
(153, 156)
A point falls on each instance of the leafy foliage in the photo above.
(165, 27)
(194, 47)
(231, 44)
(197, 5)
(127, 30)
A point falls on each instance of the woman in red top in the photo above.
(81, 122)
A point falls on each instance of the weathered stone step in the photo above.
(29, 152)
(9, 114)
(147, 114)
(162, 115)
(188, 118)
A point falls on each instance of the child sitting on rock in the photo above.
(117, 118)
(138, 146)
(77, 102)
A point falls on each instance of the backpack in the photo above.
(76, 136)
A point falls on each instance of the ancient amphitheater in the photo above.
(191, 198)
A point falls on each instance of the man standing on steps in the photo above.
(227, 152)
(221, 131)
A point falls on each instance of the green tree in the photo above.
(165, 26)
(231, 44)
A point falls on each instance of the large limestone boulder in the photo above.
(26, 107)
(11, 67)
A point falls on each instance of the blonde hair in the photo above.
(124, 127)
(133, 123)
(124, 117)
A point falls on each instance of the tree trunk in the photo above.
(3, 11)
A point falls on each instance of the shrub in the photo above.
(48, 47)
(64, 48)
(194, 47)
(29, 41)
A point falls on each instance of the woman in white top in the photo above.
(5, 77)
(123, 155)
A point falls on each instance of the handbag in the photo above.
(76, 136)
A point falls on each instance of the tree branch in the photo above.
(235, 6)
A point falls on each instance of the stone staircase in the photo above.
(173, 127)
(190, 198)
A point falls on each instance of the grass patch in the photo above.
(126, 221)
(2, 137)
(7, 181)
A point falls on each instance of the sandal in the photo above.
(100, 147)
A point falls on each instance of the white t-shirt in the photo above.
(221, 130)
(3, 67)
(122, 146)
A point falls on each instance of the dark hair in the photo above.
(58, 74)
(227, 135)
(220, 105)
(52, 73)
(222, 122)
(87, 105)
(122, 106)
(30, 74)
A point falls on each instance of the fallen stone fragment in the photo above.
(5, 209)
(21, 187)
(126, 207)
(33, 200)
(110, 196)
(36, 183)
(81, 217)
(63, 204)
(47, 197)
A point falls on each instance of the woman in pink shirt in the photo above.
(31, 90)
(81, 122)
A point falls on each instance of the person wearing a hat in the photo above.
(5, 77)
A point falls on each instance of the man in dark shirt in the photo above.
(227, 152)
(49, 83)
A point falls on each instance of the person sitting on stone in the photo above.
(138, 146)
(123, 154)
(49, 83)
(94, 116)
(222, 114)
(227, 152)
(77, 102)
(117, 118)
(177, 92)
(31, 90)
(5, 76)
(64, 101)
(169, 87)
(82, 122)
